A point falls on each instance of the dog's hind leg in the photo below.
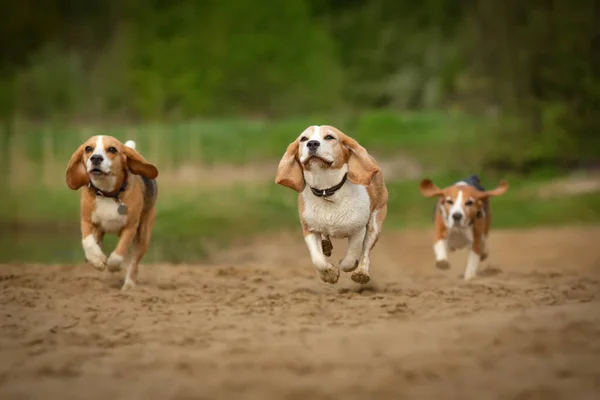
(140, 245)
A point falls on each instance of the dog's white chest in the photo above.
(107, 216)
(346, 213)
(459, 238)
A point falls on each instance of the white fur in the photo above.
(354, 252)
(327, 271)
(106, 216)
(128, 284)
(472, 265)
(114, 262)
(130, 143)
(441, 250)
(340, 216)
(316, 252)
(93, 252)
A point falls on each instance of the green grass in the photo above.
(234, 141)
(39, 219)
(188, 223)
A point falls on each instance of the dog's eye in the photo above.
(329, 137)
(112, 150)
(469, 203)
(449, 201)
(88, 149)
(303, 139)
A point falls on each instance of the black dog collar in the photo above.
(331, 191)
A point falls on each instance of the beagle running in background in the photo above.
(118, 197)
(342, 194)
(462, 218)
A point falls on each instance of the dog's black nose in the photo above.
(96, 159)
(457, 216)
(313, 145)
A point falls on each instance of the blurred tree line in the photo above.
(536, 63)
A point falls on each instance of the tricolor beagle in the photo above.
(342, 194)
(462, 217)
(119, 197)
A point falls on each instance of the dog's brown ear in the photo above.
(76, 175)
(138, 164)
(289, 171)
(429, 189)
(361, 166)
(499, 190)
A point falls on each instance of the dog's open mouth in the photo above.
(97, 172)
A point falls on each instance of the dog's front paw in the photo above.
(97, 260)
(361, 276)
(330, 274)
(114, 262)
(348, 265)
(442, 264)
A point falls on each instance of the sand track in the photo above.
(260, 325)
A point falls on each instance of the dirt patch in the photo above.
(261, 325)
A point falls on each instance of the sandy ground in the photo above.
(258, 324)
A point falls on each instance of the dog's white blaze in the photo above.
(106, 215)
(106, 183)
(93, 252)
(440, 249)
(130, 143)
(340, 216)
(472, 265)
(324, 151)
(457, 208)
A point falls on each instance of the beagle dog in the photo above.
(119, 197)
(342, 194)
(462, 218)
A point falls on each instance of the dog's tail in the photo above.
(130, 143)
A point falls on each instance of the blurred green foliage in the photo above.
(535, 65)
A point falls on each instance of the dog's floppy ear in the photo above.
(138, 164)
(76, 174)
(429, 189)
(499, 190)
(289, 172)
(361, 166)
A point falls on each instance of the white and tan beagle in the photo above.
(119, 197)
(342, 194)
(462, 218)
